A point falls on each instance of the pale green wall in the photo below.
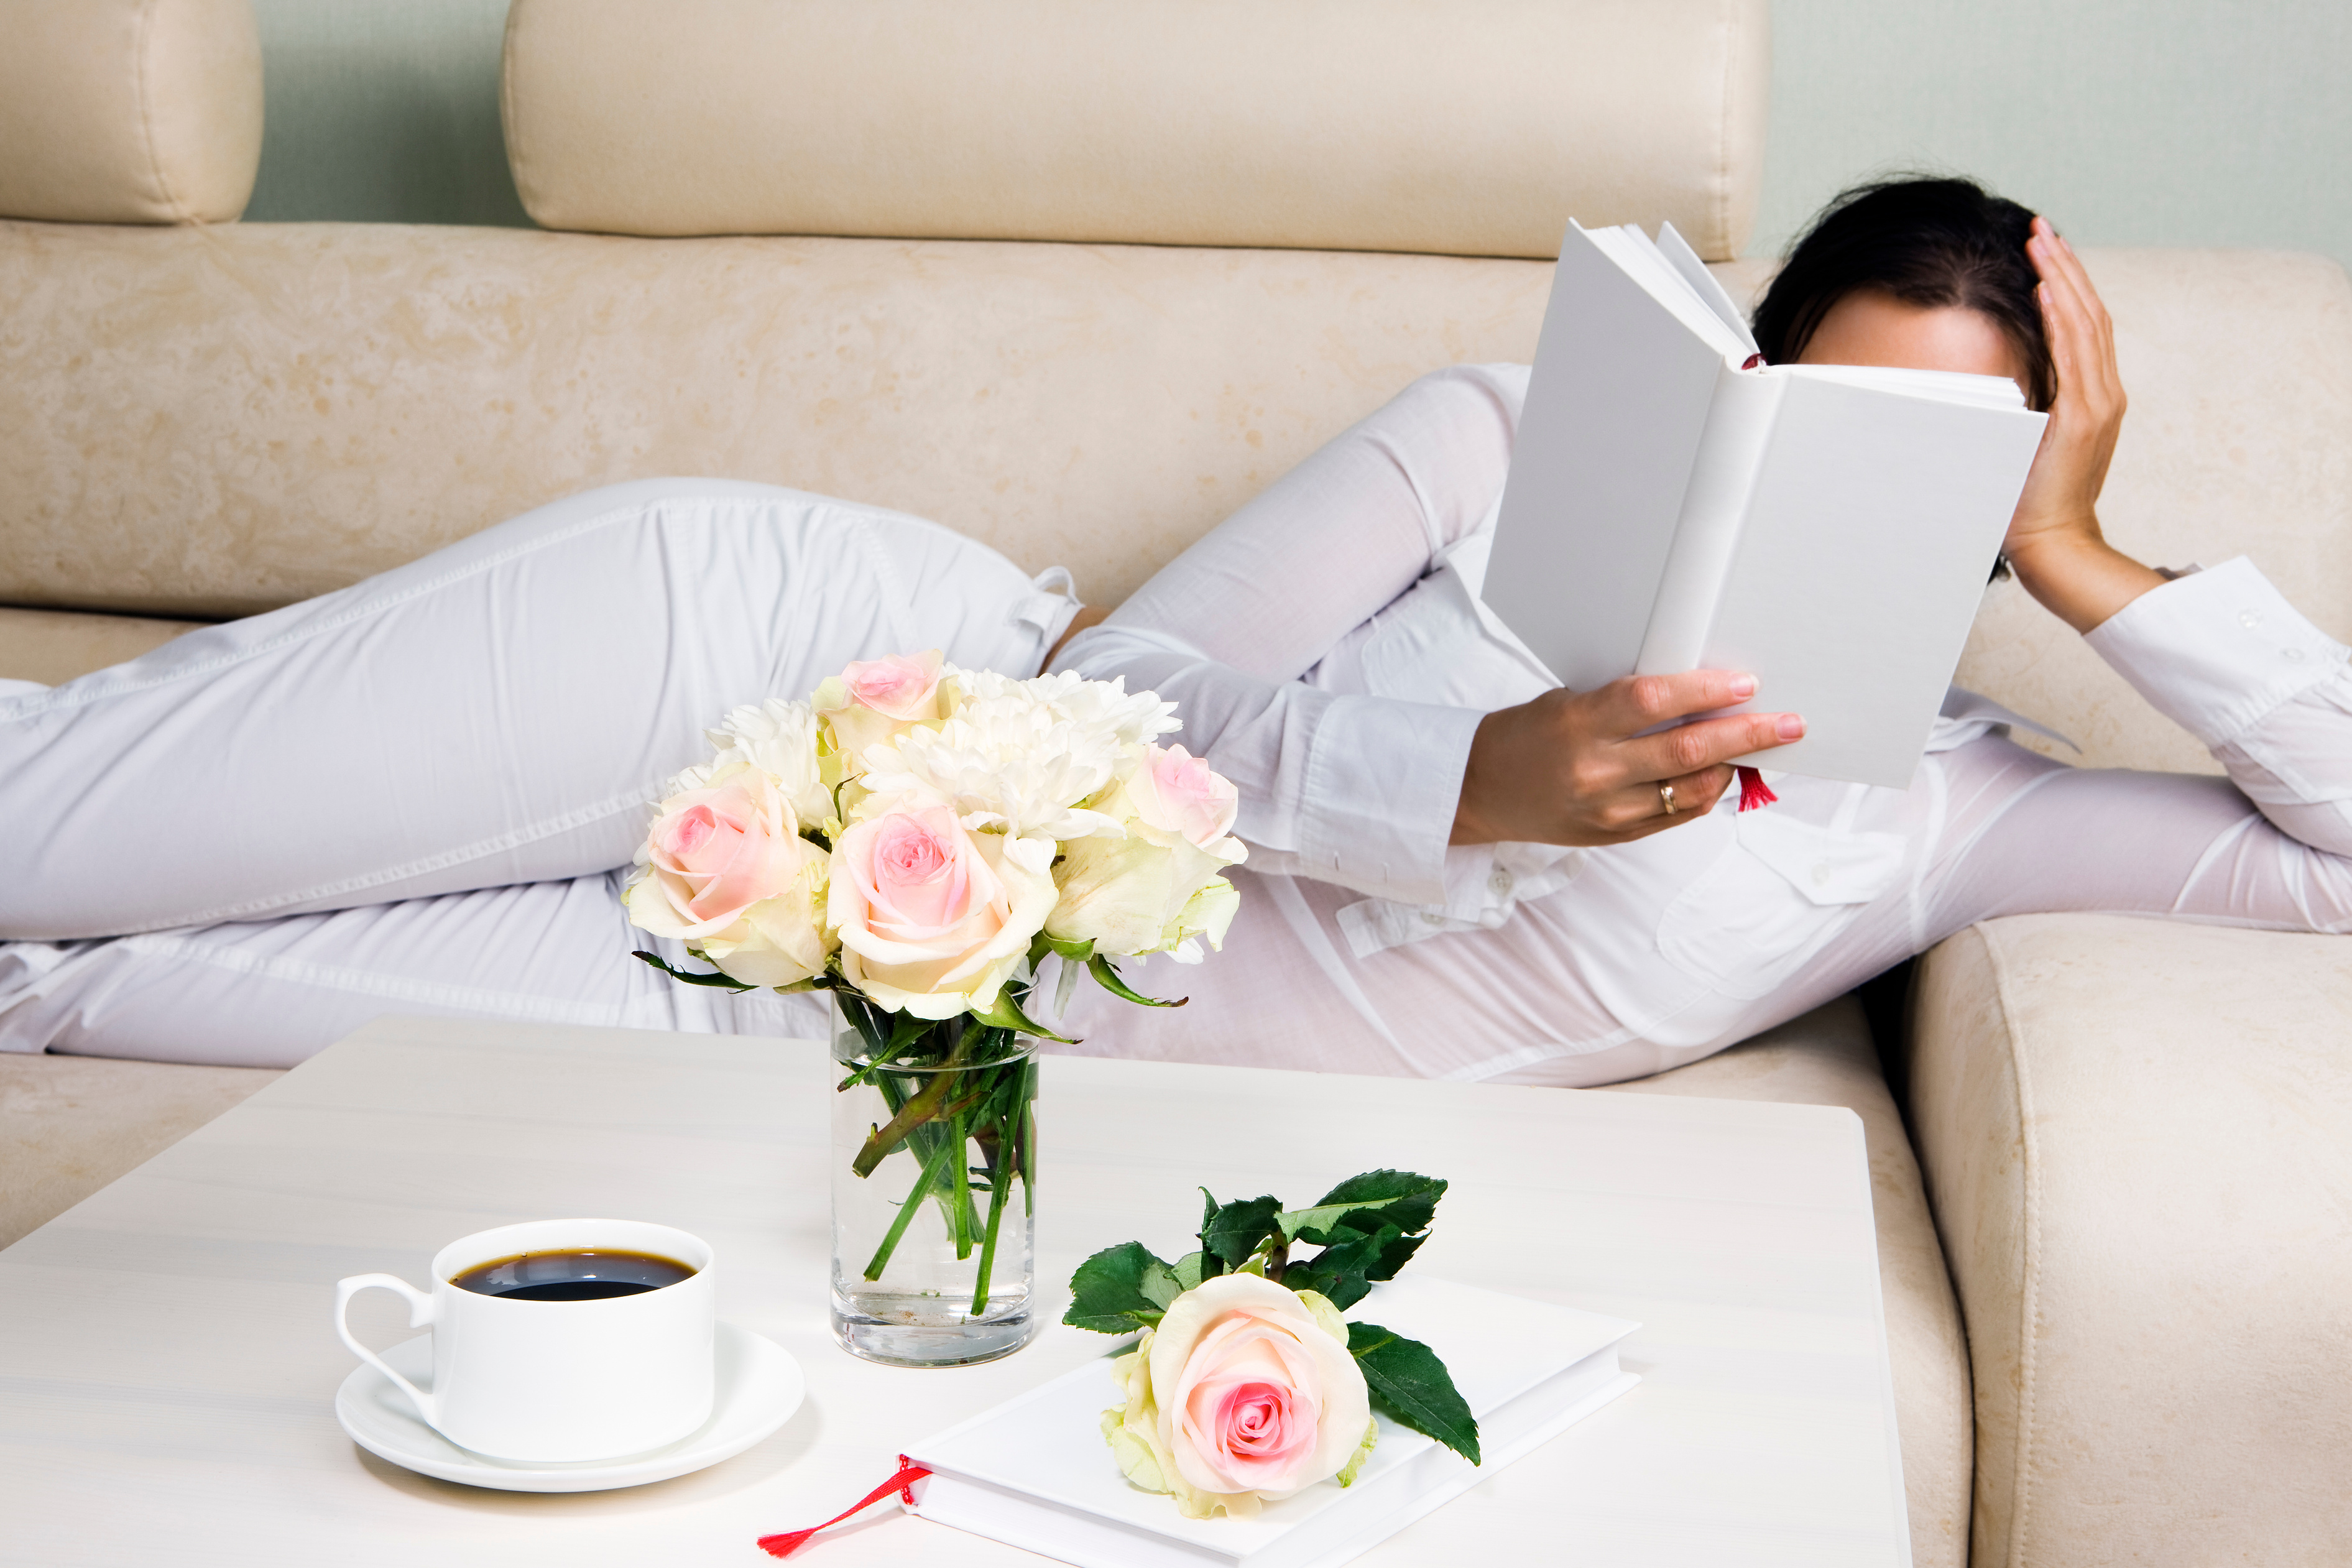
(382, 111)
(2130, 121)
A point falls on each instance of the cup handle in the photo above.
(420, 1313)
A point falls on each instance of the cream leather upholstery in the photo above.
(128, 110)
(307, 404)
(2138, 1139)
(1476, 127)
(52, 646)
(1826, 1057)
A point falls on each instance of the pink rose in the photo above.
(1246, 1393)
(716, 852)
(873, 700)
(1177, 793)
(933, 916)
(726, 871)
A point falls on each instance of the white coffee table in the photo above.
(167, 1365)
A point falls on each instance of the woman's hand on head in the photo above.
(1573, 767)
(2054, 542)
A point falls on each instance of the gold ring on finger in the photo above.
(1666, 797)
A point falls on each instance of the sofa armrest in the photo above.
(2137, 1142)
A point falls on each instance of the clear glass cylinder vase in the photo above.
(934, 1196)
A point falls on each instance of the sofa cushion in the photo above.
(216, 421)
(128, 110)
(52, 646)
(1472, 128)
(1826, 1057)
(2138, 1138)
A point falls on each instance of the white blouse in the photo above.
(1329, 653)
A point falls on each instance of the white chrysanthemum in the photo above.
(781, 739)
(1021, 755)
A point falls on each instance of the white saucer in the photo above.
(759, 1387)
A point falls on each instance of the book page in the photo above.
(1715, 506)
(1871, 532)
(1705, 284)
(1614, 413)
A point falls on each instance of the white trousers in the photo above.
(414, 795)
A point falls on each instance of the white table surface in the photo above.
(167, 1365)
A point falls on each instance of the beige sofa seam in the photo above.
(143, 50)
(2030, 1272)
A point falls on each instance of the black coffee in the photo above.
(574, 1275)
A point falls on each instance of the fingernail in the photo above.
(1790, 727)
(1743, 686)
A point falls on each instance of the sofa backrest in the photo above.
(1474, 127)
(128, 110)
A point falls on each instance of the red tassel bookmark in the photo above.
(791, 1541)
(1753, 791)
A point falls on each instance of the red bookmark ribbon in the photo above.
(1753, 791)
(791, 1541)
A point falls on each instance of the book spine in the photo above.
(1731, 449)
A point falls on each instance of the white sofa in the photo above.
(1078, 280)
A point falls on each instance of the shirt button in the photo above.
(1822, 875)
(2292, 655)
(2250, 619)
(1500, 882)
(1431, 917)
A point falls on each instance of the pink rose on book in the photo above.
(933, 916)
(725, 870)
(873, 700)
(1245, 1393)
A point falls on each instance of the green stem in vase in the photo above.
(997, 1183)
(908, 1209)
(964, 1214)
(913, 1114)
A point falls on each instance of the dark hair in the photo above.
(1928, 242)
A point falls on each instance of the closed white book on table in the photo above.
(1035, 1472)
(1670, 506)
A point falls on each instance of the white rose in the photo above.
(1157, 887)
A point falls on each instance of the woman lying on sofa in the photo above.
(421, 794)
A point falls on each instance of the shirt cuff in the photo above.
(2216, 651)
(1383, 780)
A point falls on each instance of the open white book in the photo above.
(1828, 528)
(1035, 1472)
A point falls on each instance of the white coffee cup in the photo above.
(556, 1382)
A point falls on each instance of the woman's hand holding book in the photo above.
(1582, 767)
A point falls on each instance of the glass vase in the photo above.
(934, 1196)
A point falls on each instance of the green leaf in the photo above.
(724, 981)
(1160, 1284)
(1007, 1014)
(1412, 1387)
(1344, 1291)
(1235, 1230)
(1075, 952)
(1361, 1204)
(1188, 1269)
(1108, 1293)
(1107, 978)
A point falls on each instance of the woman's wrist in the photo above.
(2077, 574)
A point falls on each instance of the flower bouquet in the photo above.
(916, 840)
